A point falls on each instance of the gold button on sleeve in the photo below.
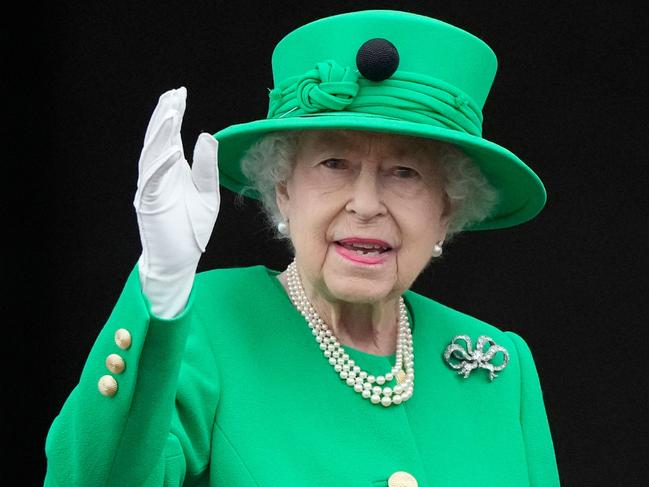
(107, 385)
(402, 479)
(115, 363)
(123, 338)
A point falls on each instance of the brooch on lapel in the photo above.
(472, 359)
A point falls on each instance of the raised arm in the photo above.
(142, 411)
(176, 206)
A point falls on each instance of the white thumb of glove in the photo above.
(176, 206)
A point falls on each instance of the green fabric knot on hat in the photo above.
(329, 86)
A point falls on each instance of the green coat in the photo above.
(236, 392)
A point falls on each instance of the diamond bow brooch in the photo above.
(473, 359)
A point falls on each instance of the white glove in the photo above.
(176, 206)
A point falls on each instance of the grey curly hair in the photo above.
(271, 160)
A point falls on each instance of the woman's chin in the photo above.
(358, 282)
(358, 289)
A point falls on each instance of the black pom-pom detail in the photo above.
(377, 59)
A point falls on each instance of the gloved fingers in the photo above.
(180, 104)
(165, 102)
(169, 100)
(150, 186)
(159, 142)
(205, 170)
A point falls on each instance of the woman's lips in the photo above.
(363, 251)
(359, 240)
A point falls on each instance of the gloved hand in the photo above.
(176, 206)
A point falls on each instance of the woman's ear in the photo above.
(282, 198)
(445, 217)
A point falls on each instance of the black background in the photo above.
(570, 99)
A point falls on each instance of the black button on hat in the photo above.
(377, 59)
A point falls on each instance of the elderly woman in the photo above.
(367, 165)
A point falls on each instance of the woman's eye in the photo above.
(334, 163)
(405, 172)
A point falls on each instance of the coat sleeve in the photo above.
(539, 448)
(156, 428)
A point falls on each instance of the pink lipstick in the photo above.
(364, 250)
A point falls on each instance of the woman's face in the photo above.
(350, 190)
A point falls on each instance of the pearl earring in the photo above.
(282, 227)
(437, 249)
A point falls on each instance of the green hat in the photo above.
(388, 71)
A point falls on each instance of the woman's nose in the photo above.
(365, 199)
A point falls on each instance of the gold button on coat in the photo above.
(115, 363)
(107, 385)
(123, 338)
(402, 479)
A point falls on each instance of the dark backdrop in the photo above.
(570, 99)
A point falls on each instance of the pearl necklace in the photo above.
(366, 385)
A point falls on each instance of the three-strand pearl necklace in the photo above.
(368, 386)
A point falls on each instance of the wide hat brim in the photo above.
(521, 193)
